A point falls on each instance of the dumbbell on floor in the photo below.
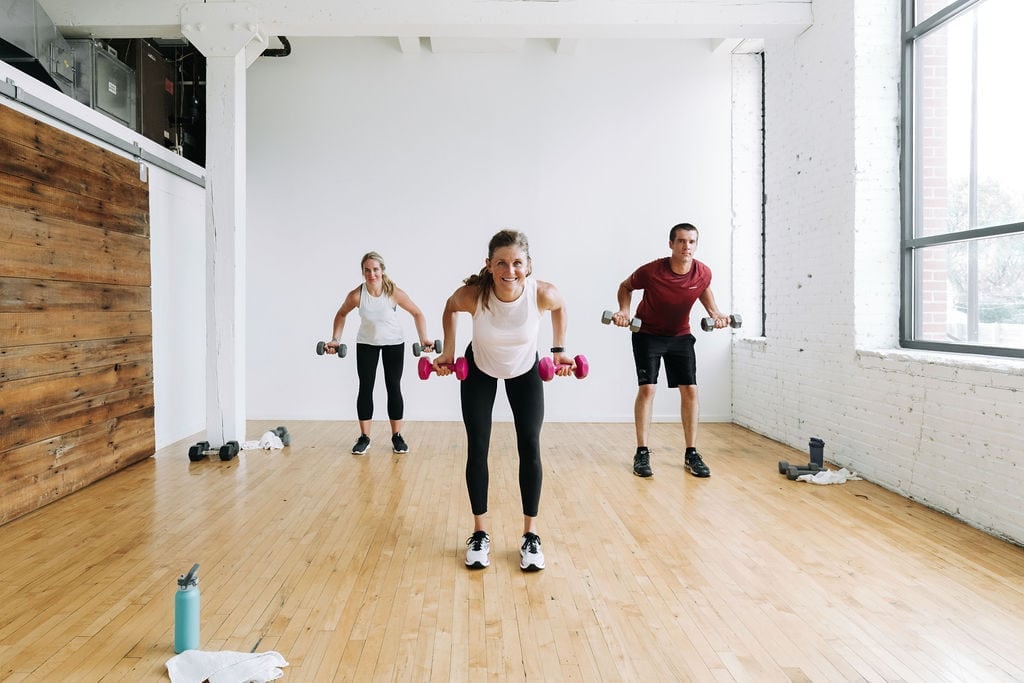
(784, 466)
(708, 324)
(417, 348)
(321, 349)
(547, 368)
(282, 433)
(461, 367)
(634, 323)
(793, 472)
(202, 449)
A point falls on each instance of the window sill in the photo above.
(1011, 366)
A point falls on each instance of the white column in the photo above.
(223, 32)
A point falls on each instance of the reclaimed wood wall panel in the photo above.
(35, 360)
(76, 361)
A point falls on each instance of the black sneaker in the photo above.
(361, 445)
(642, 463)
(695, 464)
(398, 444)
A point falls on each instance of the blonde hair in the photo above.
(483, 279)
(389, 285)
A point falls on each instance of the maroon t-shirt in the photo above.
(665, 307)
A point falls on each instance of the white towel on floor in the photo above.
(196, 666)
(840, 476)
(268, 441)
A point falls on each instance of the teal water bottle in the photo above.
(186, 611)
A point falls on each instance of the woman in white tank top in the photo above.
(380, 336)
(506, 304)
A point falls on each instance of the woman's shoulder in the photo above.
(548, 295)
(466, 295)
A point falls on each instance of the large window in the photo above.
(963, 176)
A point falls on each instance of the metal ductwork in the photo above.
(30, 42)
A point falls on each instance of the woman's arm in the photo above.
(463, 300)
(403, 300)
(350, 303)
(550, 299)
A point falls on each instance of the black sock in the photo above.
(690, 450)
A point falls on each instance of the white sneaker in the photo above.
(478, 551)
(533, 556)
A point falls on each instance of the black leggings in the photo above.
(366, 368)
(526, 398)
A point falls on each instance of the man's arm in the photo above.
(707, 298)
(624, 296)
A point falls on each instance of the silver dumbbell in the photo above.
(417, 348)
(708, 324)
(634, 324)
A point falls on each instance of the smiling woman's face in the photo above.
(509, 267)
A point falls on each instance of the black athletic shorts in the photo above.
(680, 360)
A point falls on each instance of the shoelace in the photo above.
(643, 459)
(476, 541)
(531, 543)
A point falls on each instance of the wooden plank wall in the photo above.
(76, 361)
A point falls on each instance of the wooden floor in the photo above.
(352, 568)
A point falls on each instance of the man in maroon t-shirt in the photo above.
(671, 286)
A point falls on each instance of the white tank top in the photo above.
(505, 334)
(378, 317)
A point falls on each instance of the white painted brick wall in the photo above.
(943, 430)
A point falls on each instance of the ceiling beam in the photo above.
(510, 19)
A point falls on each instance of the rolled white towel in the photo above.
(196, 666)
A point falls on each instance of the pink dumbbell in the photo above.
(461, 366)
(546, 367)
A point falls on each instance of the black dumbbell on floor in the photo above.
(708, 324)
(634, 323)
(794, 471)
(784, 466)
(321, 349)
(282, 433)
(417, 348)
(202, 449)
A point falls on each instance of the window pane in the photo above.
(968, 170)
(971, 292)
(923, 9)
(1000, 110)
(941, 103)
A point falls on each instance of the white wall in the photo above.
(178, 261)
(354, 145)
(941, 429)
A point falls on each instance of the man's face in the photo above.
(684, 244)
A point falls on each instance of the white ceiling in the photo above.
(717, 20)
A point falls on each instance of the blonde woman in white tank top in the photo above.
(379, 336)
(506, 304)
